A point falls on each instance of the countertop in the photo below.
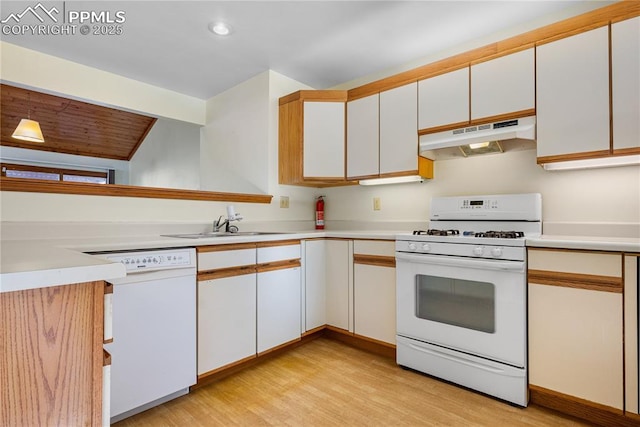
(29, 264)
(614, 244)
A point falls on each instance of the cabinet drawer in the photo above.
(374, 247)
(599, 264)
(278, 253)
(226, 259)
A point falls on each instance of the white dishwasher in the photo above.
(154, 329)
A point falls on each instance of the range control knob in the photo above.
(496, 252)
(426, 247)
(478, 250)
(412, 246)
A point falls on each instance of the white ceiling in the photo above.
(319, 43)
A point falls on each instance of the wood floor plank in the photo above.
(326, 383)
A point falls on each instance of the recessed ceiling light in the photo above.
(220, 28)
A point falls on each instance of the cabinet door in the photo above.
(575, 325)
(278, 307)
(625, 68)
(399, 129)
(503, 85)
(572, 83)
(323, 140)
(315, 284)
(363, 137)
(339, 281)
(375, 302)
(226, 321)
(444, 100)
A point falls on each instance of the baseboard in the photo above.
(581, 408)
(346, 337)
(363, 343)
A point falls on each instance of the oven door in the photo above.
(476, 306)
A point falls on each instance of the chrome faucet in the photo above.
(231, 216)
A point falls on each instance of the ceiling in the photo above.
(72, 127)
(319, 43)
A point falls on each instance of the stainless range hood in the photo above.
(477, 139)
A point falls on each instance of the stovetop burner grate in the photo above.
(500, 234)
(433, 232)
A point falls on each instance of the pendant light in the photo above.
(28, 130)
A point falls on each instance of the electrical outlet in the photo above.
(284, 202)
(376, 203)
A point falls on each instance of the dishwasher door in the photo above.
(154, 339)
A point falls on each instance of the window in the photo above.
(10, 170)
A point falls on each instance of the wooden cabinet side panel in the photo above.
(290, 143)
(575, 343)
(625, 69)
(572, 84)
(51, 364)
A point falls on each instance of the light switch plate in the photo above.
(284, 202)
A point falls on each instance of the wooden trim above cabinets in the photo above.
(116, 190)
(315, 96)
(597, 18)
(577, 281)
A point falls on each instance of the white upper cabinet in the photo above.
(503, 85)
(444, 99)
(382, 133)
(399, 129)
(572, 83)
(625, 66)
(323, 136)
(363, 155)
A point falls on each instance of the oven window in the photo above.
(465, 303)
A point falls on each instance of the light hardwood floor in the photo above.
(326, 383)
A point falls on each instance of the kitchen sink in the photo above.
(212, 234)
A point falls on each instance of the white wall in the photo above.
(600, 195)
(169, 157)
(28, 68)
(270, 86)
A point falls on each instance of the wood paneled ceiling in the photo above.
(72, 127)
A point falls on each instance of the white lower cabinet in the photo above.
(375, 302)
(278, 307)
(576, 325)
(315, 279)
(339, 283)
(374, 283)
(226, 321)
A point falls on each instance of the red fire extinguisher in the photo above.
(320, 213)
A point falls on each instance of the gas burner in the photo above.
(432, 232)
(501, 234)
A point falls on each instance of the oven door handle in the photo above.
(483, 264)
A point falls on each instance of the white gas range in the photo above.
(461, 292)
